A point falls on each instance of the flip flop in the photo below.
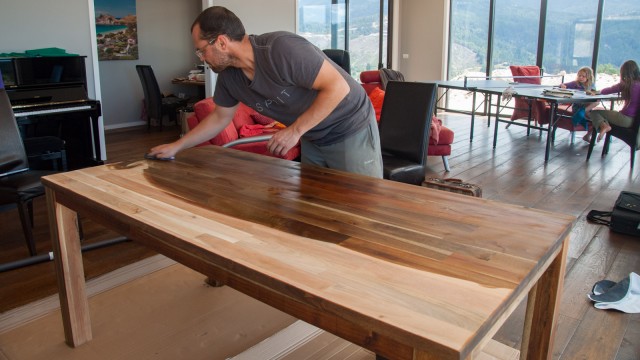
(601, 287)
(624, 296)
(614, 293)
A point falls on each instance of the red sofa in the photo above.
(440, 137)
(246, 122)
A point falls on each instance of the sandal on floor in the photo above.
(602, 286)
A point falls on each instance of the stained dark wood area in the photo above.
(514, 172)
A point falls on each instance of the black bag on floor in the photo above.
(625, 216)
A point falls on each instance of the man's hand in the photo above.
(282, 141)
(164, 151)
(209, 127)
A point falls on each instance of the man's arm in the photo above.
(332, 88)
(209, 127)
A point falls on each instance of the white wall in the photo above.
(423, 36)
(36, 24)
(164, 42)
(260, 16)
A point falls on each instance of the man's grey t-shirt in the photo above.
(286, 66)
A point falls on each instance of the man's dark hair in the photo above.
(218, 20)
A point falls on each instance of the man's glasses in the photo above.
(200, 52)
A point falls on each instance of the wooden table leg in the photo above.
(542, 310)
(69, 272)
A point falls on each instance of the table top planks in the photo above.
(425, 267)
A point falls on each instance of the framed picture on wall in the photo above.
(116, 29)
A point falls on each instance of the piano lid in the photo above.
(41, 80)
(43, 71)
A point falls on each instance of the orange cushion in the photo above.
(377, 99)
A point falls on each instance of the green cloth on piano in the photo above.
(52, 51)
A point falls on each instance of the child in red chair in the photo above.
(584, 81)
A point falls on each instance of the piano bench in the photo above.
(46, 153)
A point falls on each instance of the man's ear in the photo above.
(223, 40)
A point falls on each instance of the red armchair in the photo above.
(541, 111)
(532, 76)
(246, 122)
(440, 137)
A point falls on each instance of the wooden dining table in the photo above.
(405, 271)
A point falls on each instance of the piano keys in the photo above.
(53, 109)
(48, 96)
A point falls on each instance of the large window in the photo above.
(468, 38)
(323, 22)
(515, 35)
(570, 34)
(619, 39)
(560, 36)
(469, 28)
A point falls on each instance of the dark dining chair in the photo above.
(627, 134)
(19, 185)
(340, 57)
(405, 122)
(157, 105)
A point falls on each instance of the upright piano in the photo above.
(49, 97)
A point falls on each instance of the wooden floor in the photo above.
(514, 172)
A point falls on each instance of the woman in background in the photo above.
(629, 89)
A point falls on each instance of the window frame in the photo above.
(334, 30)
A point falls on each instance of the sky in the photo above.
(117, 8)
